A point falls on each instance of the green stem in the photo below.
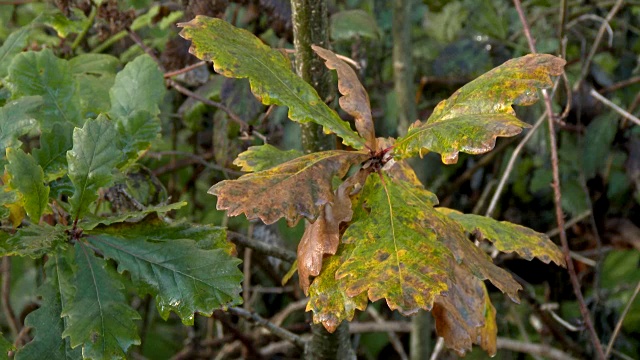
(86, 28)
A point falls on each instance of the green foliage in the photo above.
(28, 178)
(98, 319)
(72, 134)
(43, 74)
(167, 263)
(91, 162)
(47, 321)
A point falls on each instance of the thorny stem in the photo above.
(575, 282)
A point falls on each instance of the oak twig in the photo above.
(275, 330)
(262, 247)
(624, 313)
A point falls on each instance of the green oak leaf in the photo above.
(91, 161)
(184, 276)
(263, 157)
(303, 186)
(95, 75)
(96, 64)
(28, 178)
(508, 237)
(139, 86)
(89, 221)
(42, 73)
(16, 120)
(52, 154)
(35, 241)
(46, 320)
(135, 133)
(327, 296)
(98, 317)
(472, 118)
(237, 53)
(12, 46)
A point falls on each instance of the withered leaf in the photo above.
(355, 100)
(327, 296)
(472, 118)
(508, 237)
(299, 187)
(323, 236)
(465, 315)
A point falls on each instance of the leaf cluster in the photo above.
(71, 136)
(374, 231)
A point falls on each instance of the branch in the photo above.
(575, 282)
(614, 107)
(262, 247)
(533, 349)
(275, 330)
(616, 331)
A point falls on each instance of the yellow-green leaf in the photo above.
(327, 296)
(263, 157)
(472, 118)
(28, 178)
(411, 250)
(299, 187)
(237, 53)
(508, 237)
(396, 254)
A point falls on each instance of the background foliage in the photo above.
(135, 177)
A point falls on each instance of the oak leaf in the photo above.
(475, 115)
(465, 315)
(323, 236)
(327, 296)
(299, 187)
(237, 53)
(508, 237)
(263, 157)
(355, 100)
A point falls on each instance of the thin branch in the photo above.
(14, 325)
(393, 338)
(275, 330)
(624, 313)
(192, 159)
(373, 326)
(438, 349)
(510, 165)
(184, 69)
(614, 107)
(262, 247)
(533, 349)
(621, 84)
(594, 48)
(575, 282)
